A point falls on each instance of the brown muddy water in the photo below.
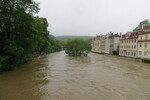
(59, 77)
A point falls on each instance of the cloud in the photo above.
(90, 17)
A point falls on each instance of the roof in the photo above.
(141, 33)
(115, 35)
(132, 35)
(147, 27)
(146, 30)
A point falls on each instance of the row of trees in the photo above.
(22, 35)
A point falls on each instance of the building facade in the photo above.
(144, 43)
(102, 43)
(114, 42)
(128, 44)
(98, 44)
(107, 44)
(95, 44)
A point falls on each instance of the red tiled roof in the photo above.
(148, 40)
(142, 32)
(132, 35)
(147, 27)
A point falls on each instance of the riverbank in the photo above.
(139, 59)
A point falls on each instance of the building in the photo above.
(128, 44)
(98, 44)
(107, 43)
(144, 43)
(114, 42)
(102, 43)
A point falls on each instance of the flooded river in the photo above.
(59, 77)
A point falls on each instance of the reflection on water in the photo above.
(60, 77)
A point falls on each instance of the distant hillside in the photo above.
(52, 37)
(65, 38)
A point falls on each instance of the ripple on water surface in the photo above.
(60, 77)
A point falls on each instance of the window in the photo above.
(141, 37)
(134, 46)
(131, 53)
(134, 53)
(140, 52)
(128, 53)
(146, 36)
(145, 53)
(140, 45)
(129, 41)
(135, 40)
(145, 44)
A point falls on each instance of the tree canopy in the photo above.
(142, 24)
(78, 47)
(22, 35)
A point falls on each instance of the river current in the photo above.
(59, 77)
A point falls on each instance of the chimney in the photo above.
(120, 34)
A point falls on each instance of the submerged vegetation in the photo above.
(146, 60)
(22, 35)
(78, 47)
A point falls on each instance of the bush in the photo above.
(146, 60)
(116, 52)
(99, 52)
(77, 47)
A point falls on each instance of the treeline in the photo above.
(66, 38)
(22, 35)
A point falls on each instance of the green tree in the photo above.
(77, 47)
(22, 35)
(15, 31)
(142, 24)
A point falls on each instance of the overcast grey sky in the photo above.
(91, 17)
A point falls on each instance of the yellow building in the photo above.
(102, 43)
(128, 44)
(98, 44)
(144, 43)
